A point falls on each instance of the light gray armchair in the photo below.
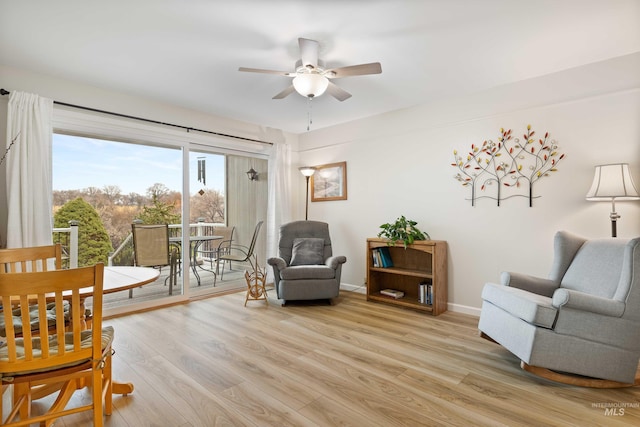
(306, 268)
(583, 320)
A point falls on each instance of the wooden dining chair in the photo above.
(28, 260)
(70, 358)
(31, 259)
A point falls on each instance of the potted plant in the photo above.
(403, 230)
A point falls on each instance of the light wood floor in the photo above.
(213, 362)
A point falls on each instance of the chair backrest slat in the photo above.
(32, 259)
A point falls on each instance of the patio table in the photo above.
(195, 243)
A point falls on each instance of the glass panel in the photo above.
(207, 178)
(106, 185)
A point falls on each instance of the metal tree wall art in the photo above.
(509, 167)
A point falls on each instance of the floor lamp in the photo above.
(307, 171)
(610, 183)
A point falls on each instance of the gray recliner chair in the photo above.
(306, 268)
(584, 319)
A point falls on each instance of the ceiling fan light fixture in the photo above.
(310, 85)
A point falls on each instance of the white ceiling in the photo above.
(187, 52)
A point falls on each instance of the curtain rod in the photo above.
(157, 122)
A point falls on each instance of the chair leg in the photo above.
(107, 384)
(22, 394)
(96, 391)
(63, 398)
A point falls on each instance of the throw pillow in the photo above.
(307, 251)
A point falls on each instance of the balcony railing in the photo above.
(200, 228)
(68, 238)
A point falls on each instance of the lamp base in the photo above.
(614, 219)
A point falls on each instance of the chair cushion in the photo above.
(33, 317)
(532, 308)
(308, 272)
(307, 251)
(86, 336)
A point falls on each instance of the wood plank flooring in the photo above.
(215, 363)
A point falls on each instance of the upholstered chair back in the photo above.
(606, 268)
(596, 268)
(300, 230)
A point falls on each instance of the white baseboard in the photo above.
(464, 309)
(361, 289)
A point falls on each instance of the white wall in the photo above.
(400, 164)
(67, 91)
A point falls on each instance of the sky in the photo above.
(80, 162)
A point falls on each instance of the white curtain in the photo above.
(29, 177)
(279, 203)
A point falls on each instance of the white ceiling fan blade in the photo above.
(288, 91)
(309, 52)
(354, 70)
(337, 92)
(260, 70)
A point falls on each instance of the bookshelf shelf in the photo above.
(422, 262)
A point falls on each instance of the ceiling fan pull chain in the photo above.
(309, 113)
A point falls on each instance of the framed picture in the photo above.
(329, 182)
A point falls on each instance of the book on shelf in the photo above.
(392, 293)
(386, 257)
(425, 295)
(381, 257)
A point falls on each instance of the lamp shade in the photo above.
(310, 84)
(612, 182)
(307, 170)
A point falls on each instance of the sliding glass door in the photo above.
(107, 185)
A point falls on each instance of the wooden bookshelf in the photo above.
(422, 261)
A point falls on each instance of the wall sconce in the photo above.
(610, 183)
(307, 171)
(252, 174)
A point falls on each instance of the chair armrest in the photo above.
(277, 262)
(532, 284)
(577, 300)
(225, 244)
(240, 248)
(335, 261)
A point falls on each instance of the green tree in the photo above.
(94, 244)
(159, 213)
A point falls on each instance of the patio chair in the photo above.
(151, 249)
(66, 361)
(238, 253)
(212, 250)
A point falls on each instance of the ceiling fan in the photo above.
(311, 79)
